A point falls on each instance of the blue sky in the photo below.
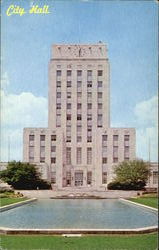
(129, 28)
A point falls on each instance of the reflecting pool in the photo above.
(78, 213)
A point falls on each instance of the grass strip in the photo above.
(8, 201)
(115, 242)
(148, 201)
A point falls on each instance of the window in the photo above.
(58, 94)
(79, 138)
(100, 72)
(89, 94)
(78, 178)
(79, 117)
(89, 117)
(115, 137)
(89, 138)
(42, 137)
(99, 121)
(104, 160)
(42, 151)
(104, 149)
(89, 106)
(68, 95)
(79, 84)
(58, 84)
(79, 128)
(68, 128)
(104, 178)
(42, 159)
(155, 177)
(126, 149)
(89, 128)
(89, 155)
(89, 72)
(68, 105)
(58, 72)
(53, 137)
(100, 105)
(68, 155)
(79, 94)
(68, 84)
(31, 153)
(68, 72)
(99, 94)
(89, 178)
(79, 105)
(126, 137)
(68, 117)
(68, 138)
(99, 118)
(53, 148)
(89, 75)
(89, 84)
(58, 120)
(104, 138)
(58, 106)
(53, 177)
(115, 149)
(79, 72)
(53, 160)
(79, 155)
(68, 178)
(115, 159)
(31, 137)
(100, 83)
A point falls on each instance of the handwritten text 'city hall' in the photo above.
(35, 9)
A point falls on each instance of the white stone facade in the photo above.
(79, 149)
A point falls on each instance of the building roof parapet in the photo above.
(79, 51)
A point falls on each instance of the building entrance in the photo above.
(78, 178)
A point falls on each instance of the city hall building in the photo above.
(79, 149)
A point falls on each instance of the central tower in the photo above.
(79, 89)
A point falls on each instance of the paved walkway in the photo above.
(45, 194)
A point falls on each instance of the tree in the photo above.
(130, 175)
(23, 176)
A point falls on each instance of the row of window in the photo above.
(42, 137)
(79, 84)
(79, 73)
(115, 160)
(79, 95)
(115, 138)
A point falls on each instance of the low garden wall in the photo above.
(45, 194)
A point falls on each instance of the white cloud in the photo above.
(19, 111)
(146, 113)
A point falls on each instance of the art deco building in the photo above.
(78, 149)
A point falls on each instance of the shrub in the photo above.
(23, 176)
(116, 185)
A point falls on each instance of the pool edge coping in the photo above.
(17, 204)
(15, 231)
(139, 204)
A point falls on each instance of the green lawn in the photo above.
(10, 200)
(146, 200)
(137, 242)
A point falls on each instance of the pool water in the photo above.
(78, 213)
